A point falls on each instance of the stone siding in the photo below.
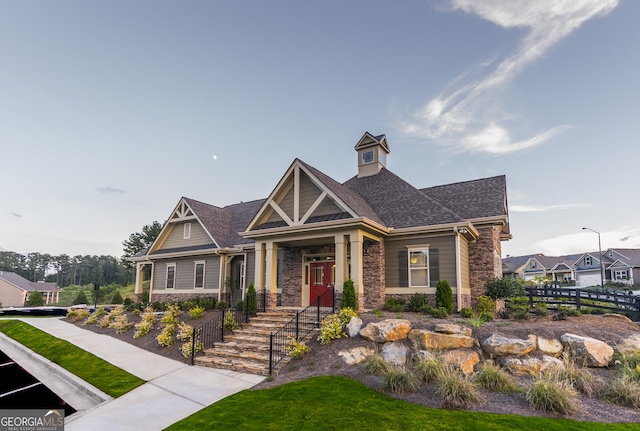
(291, 276)
(485, 261)
(373, 276)
(175, 297)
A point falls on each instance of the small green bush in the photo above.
(81, 298)
(444, 296)
(196, 312)
(486, 304)
(117, 298)
(466, 313)
(165, 337)
(501, 288)
(486, 317)
(330, 329)
(395, 305)
(348, 295)
(297, 349)
(222, 304)
(346, 314)
(35, 299)
(439, 313)
(229, 321)
(399, 379)
(540, 309)
(418, 302)
(251, 300)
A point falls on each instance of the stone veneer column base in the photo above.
(272, 300)
(360, 301)
(137, 297)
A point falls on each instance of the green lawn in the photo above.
(98, 372)
(340, 403)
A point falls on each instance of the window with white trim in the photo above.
(418, 267)
(533, 265)
(171, 276)
(199, 275)
(620, 274)
(187, 230)
(367, 157)
(241, 277)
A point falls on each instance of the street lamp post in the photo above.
(600, 251)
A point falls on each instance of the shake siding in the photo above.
(309, 192)
(327, 207)
(464, 262)
(176, 236)
(251, 268)
(396, 272)
(287, 204)
(185, 274)
(274, 216)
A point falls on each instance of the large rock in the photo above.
(549, 346)
(629, 346)
(357, 355)
(464, 360)
(425, 339)
(587, 351)
(386, 330)
(450, 328)
(395, 353)
(617, 316)
(497, 345)
(354, 326)
(531, 366)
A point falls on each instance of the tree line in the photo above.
(81, 270)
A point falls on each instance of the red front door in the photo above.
(321, 280)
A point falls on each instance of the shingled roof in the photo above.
(24, 284)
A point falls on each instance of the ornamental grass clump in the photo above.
(456, 391)
(624, 391)
(93, 318)
(399, 379)
(430, 369)
(376, 365)
(330, 329)
(552, 395)
(494, 378)
(579, 378)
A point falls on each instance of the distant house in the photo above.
(313, 232)
(15, 290)
(621, 265)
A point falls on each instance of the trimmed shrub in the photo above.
(418, 302)
(348, 295)
(444, 296)
(466, 312)
(501, 288)
(439, 313)
(395, 305)
(486, 304)
(486, 317)
(81, 298)
(35, 299)
(251, 302)
(117, 298)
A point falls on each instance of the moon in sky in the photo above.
(215, 157)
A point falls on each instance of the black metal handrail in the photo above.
(299, 327)
(215, 329)
(605, 299)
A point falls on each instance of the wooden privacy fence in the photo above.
(623, 302)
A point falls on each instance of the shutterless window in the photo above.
(171, 276)
(367, 157)
(187, 230)
(199, 275)
(418, 267)
(587, 260)
(620, 275)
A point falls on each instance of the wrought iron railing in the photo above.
(213, 331)
(299, 327)
(624, 302)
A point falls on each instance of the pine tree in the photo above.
(348, 294)
(444, 296)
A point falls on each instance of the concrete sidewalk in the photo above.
(173, 390)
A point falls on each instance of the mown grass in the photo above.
(98, 372)
(334, 402)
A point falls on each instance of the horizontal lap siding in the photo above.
(464, 263)
(176, 237)
(396, 258)
(185, 273)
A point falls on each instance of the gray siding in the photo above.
(287, 203)
(185, 273)
(327, 207)
(176, 236)
(309, 192)
(465, 278)
(251, 268)
(396, 272)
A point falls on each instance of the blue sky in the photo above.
(112, 111)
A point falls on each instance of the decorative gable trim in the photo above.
(368, 140)
(289, 187)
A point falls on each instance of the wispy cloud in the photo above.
(582, 241)
(110, 190)
(468, 115)
(541, 208)
(16, 215)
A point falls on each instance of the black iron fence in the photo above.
(299, 327)
(623, 302)
(213, 331)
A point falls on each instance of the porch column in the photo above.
(137, 292)
(356, 241)
(341, 263)
(259, 267)
(271, 273)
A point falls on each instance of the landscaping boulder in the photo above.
(549, 346)
(629, 346)
(587, 351)
(450, 328)
(395, 353)
(497, 345)
(464, 360)
(386, 330)
(356, 355)
(531, 366)
(426, 339)
(617, 316)
(354, 326)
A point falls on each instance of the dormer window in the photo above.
(367, 157)
(533, 265)
(588, 261)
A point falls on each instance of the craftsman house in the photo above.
(313, 232)
(15, 290)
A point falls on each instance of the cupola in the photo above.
(372, 154)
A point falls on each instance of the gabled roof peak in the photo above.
(369, 140)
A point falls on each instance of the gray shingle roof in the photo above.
(24, 284)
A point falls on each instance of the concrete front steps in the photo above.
(247, 349)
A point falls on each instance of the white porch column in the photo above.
(357, 271)
(137, 292)
(341, 263)
(271, 273)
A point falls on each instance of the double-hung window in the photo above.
(199, 275)
(620, 274)
(171, 275)
(418, 266)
